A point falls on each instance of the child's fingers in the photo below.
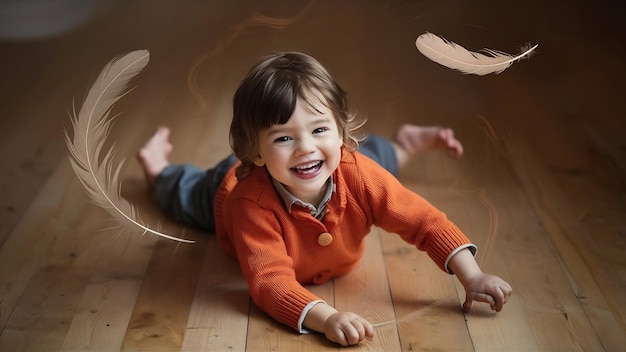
(501, 295)
(508, 290)
(500, 298)
(360, 329)
(352, 333)
(494, 292)
(469, 301)
(481, 297)
(339, 336)
(369, 331)
(366, 331)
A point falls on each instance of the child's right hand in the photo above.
(347, 328)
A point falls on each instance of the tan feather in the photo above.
(456, 57)
(91, 128)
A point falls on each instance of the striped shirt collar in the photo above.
(316, 211)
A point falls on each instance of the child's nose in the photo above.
(306, 145)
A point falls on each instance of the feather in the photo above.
(91, 128)
(456, 57)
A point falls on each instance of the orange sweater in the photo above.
(280, 251)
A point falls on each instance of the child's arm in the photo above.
(344, 328)
(479, 286)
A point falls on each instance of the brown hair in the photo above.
(268, 96)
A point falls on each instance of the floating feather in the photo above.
(456, 57)
(91, 128)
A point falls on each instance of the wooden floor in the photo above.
(541, 189)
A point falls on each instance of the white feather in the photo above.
(91, 128)
(456, 57)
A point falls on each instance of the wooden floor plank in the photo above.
(47, 308)
(365, 291)
(549, 302)
(543, 305)
(113, 262)
(218, 319)
(30, 136)
(24, 256)
(597, 285)
(265, 334)
(594, 284)
(160, 315)
(466, 198)
(424, 299)
(102, 315)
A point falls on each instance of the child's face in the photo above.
(302, 153)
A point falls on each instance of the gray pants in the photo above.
(186, 192)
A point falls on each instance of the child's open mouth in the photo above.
(308, 168)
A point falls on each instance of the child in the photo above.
(297, 199)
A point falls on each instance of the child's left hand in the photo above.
(488, 289)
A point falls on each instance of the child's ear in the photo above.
(258, 161)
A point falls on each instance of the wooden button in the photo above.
(325, 239)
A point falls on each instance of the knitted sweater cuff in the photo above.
(292, 307)
(449, 241)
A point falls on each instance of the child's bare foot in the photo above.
(411, 140)
(153, 155)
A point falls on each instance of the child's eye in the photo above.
(282, 139)
(320, 130)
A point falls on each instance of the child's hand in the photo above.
(479, 286)
(347, 328)
(488, 289)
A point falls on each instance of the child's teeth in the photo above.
(307, 167)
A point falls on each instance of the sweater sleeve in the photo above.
(266, 265)
(399, 210)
